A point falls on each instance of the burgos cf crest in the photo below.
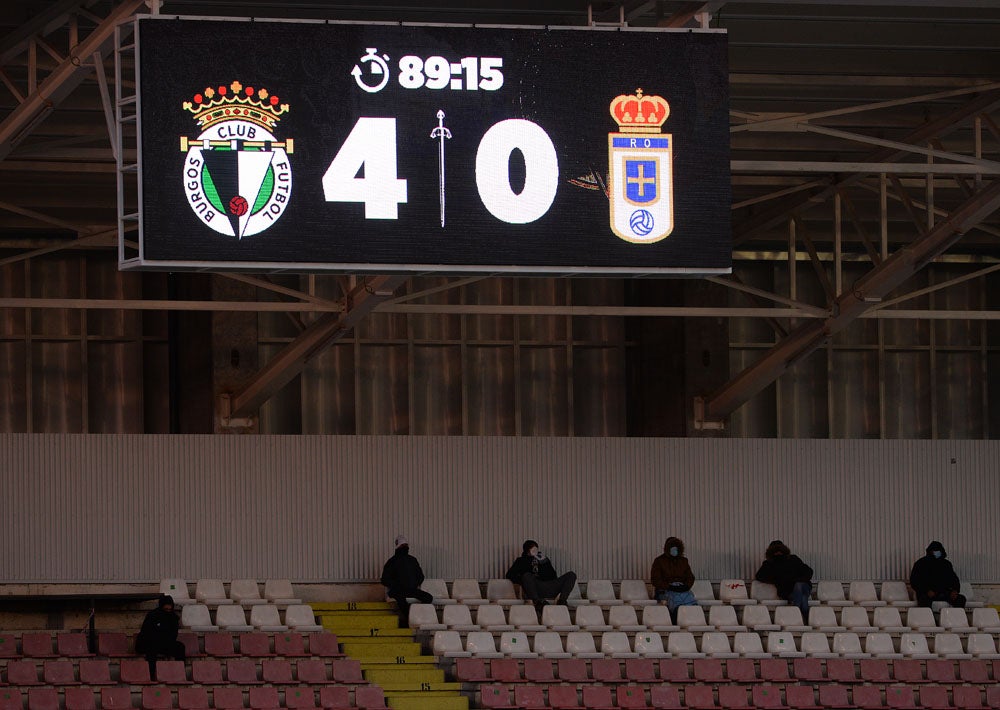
(237, 175)
(640, 169)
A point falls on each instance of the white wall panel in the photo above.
(95, 508)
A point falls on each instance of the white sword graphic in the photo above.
(441, 133)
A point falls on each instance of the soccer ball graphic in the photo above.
(238, 206)
(641, 222)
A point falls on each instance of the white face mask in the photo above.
(937, 554)
(537, 554)
(674, 551)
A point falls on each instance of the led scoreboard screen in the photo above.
(311, 146)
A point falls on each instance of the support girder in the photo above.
(850, 305)
(323, 332)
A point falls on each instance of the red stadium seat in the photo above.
(171, 673)
(631, 696)
(699, 696)
(11, 699)
(841, 670)
(113, 644)
(471, 670)
(289, 645)
(325, 644)
(674, 670)
(83, 699)
(733, 696)
(277, 671)
(934, 697)
(868, 697)
(708, 670)
(43, 699)
(192, 645)
(207, 671)
(300, 697)
(741, 670)
(665, 697)
(597, 697)
(37, 645)
(8, 646)
(529, 696)
(573, 670)
(134, 671)
(116, 698)
(346, 670)
(226, 698)
(834, 695)
(774, 670)
(941, 670)
(606, 670)
(968, 697)
(563, 696)
(494, 695)
(907, 670)
(95, 671)
(242, 671)
(219, 644)
(767, 696)
(993, 694)
(874, 670)
(22, 672)
(801, 697)
(808, 669)
(256, 645)
(505, 670)
(333, 696)
(974, 671)
(73, 645)
(900, 696)
(59, 673)
(265, 698)
(369, 697)
(312, 671)
(640, 670)
(192, 698)
(157, 698)
(536, 670)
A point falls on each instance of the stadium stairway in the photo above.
(389, 656)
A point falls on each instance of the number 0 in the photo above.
(493, 174)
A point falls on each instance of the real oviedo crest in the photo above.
(237, 175)
(640, 170)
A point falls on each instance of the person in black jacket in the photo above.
(158, 635)
(402, 578)
(791, 576)
(933, 578)
(538, 579)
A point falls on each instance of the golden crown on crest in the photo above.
(236, 102)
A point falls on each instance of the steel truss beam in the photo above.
(849, 306)
(316, 338)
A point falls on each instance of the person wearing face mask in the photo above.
(538, 578)
(790, 575)
(933, 578)
(672, 577)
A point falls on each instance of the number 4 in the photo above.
(371, 146)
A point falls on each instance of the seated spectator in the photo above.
(537, 577)
(933, 578)
(791, 576)
(402, 578)
(158, 635)
(672, 577)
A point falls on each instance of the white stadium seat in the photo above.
(601, 591)
(178, 589)
(280, 593)
(581, 645)
(501, 591)
(831, 593)
(682, 645)
(649, 644)
(425, 618)
(949, 645)
(914, 645)
(863, 594)
(231, 617)
(971, 600)
(723, 618)
(515, 644)
(879, 645)
(523, 617)
(782, 644)
(300, 617)
(789, 618)
(715, 644)
(692, 618)
(702, 591)
(748, 645)
(211, 592)
(634, 592)
(758, 618)
(438, 589)
(556, 617)
(448, 644)
(615, 644)
(982, 645)
(491, 617)
(734, 591)
(657, 618)
(458, 617)
(986, 619)
(591, 618)
(954, 619)
(765, 593)
(197, 618)
(855, 618)
(548, 644)
(815, 644)
(921, 618)
(848, 645)
(481, 645)
(245, 592)
(623, 618)
(888, 619)
(467, 591)
(894, 592)
(266, 618)
(824, 618)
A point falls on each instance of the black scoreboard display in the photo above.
(314, 146)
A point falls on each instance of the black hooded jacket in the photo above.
(402, 571)
(933, 573)
(159, 630)
(783, 569)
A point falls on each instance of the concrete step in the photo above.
(363, 649)
(413, 675)
(426, 700)
(446, 689)
(353, 607)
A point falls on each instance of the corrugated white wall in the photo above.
(95, 508)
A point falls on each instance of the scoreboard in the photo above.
(320, 146)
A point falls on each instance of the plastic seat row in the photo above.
(714, 670)
(493, 617)
(245, 592)
(740, 697)
(224, 644)
(684, 644)
(132, 671)
(265, 617)
(193, 698)
(43, 645)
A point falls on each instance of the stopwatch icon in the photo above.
(377, 67)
